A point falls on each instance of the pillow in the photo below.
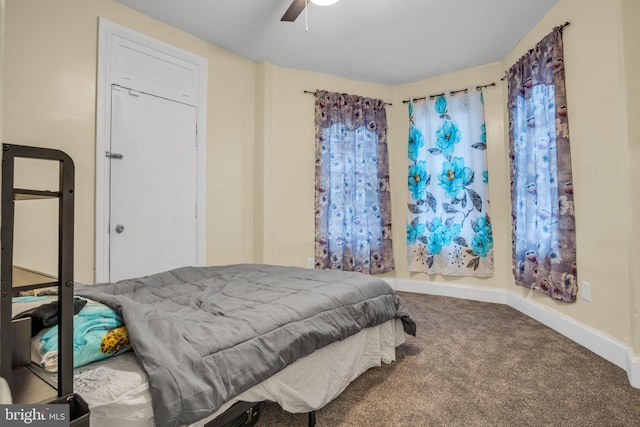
(98, 333)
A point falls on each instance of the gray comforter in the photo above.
(206, 334)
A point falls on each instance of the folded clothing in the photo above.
(98, 333)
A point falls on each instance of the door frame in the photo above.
(185, 82)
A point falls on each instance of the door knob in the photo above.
(119, 228)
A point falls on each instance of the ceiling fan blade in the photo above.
(297, 6)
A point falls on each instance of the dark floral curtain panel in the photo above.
(352, 202)
(544, 244)
(449, 230)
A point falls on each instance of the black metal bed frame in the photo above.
(240, 408)
(64, 282)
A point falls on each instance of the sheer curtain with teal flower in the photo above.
(544, 242)
(352, 201)
(449, 230)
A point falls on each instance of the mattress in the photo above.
(117, 391)
(204, 335)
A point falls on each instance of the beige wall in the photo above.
(288, 154)
(2, 37)
(49, 81)
(260, 154)
(289, 159)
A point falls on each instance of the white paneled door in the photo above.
(153, 194)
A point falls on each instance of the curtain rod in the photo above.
(314, 94)
(453, 92)
(561, 29)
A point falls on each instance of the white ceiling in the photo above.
(388, 42)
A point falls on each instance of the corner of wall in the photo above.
(265, 92)
(629, 16)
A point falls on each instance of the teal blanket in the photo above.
(98, 333)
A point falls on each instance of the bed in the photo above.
(204, 338)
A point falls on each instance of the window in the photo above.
(449, 230)
(544, 244)
(352, 202)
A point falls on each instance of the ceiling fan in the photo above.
(297, 6)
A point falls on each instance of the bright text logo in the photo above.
(34, 415)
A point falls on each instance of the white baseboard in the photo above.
(607, 347)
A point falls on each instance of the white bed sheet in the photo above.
(118, 395)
